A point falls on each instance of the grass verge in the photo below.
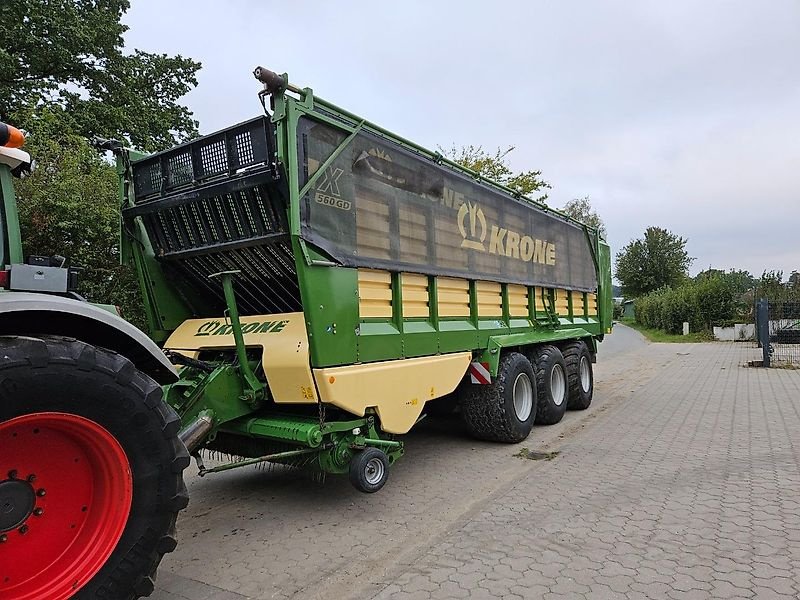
(656, 335)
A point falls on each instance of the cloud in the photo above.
(679, 114)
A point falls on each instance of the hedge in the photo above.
(704, 303)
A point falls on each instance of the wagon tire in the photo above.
(504, 410)
(551, 384)
(369, 470)
(91, 438)
(579, 375)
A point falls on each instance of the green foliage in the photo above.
(739, 280)
(653, 262)
(69, 54)
(772, 287)
(709, 300)
(713, 298)
(65, 76)
(69, 206)
(581, 210)
(495, 167)
(619, 311)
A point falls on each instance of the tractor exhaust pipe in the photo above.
(194, 434)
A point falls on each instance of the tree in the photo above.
(65, 75)
(581, 210)
(772, 287)
(495, 167)
(69, 54)
(739, 281)
(655, 261)
(69, 206)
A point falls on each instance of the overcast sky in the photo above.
(681, 114)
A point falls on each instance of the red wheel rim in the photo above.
(79, 480)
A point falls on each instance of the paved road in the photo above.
(681, 481)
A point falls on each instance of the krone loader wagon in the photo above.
(314, 286)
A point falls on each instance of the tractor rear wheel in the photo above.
(90, 472)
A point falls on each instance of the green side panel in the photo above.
(10, 241)
(330, 305)
(457, 334)
(380, 341)
(604, 292)
(418, 338)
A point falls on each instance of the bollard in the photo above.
(762, 320)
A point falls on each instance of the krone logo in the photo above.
(477, 221)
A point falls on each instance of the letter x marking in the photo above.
(330, 181)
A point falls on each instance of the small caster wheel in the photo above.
(369, 470)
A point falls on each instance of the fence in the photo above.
(778, 332)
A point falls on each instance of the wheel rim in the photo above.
(585, 373)
(557, 385)
(374, 470)
(523, 397)
(79, 480)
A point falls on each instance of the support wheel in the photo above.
(504, 410)
(90, 473)
(369, 470)
(580, 377)
(551, 384)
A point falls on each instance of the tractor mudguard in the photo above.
(41, 314)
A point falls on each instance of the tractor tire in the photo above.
(580, 378)
(504, 410)
(551, 384)
(90, 472)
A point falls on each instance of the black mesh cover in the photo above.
(217, 155)
(214, 205)
(380, 205)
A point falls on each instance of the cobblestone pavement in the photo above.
(681, 481)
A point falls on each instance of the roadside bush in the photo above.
(704, 302)
(619, 311)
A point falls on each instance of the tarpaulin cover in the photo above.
(380, 205)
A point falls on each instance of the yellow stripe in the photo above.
(374, 294)
(592, 304)
(490, 299)
(415, 295)
(562, 304)
(577, 304)
(453, 297)
(517, 300)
